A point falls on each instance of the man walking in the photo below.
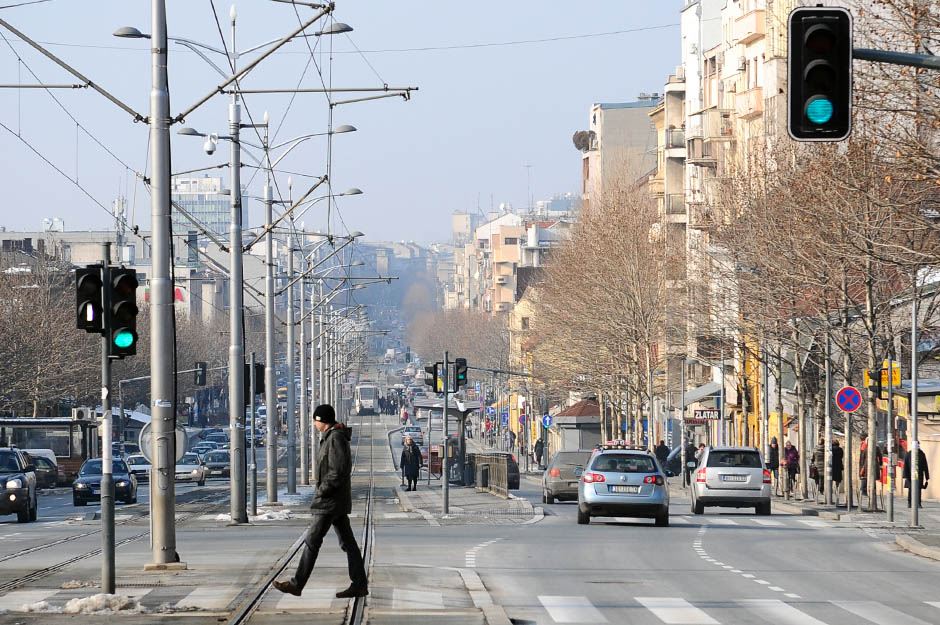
(662, 453)
(923, 474)
(331, 506)
(538, 450)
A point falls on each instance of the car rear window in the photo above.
(624, 463)
(571, 459)
(734, 459)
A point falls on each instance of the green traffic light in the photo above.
(123, 339)
(819, 110)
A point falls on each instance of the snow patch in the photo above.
(101, 603)
(74, 583)
(263, 515)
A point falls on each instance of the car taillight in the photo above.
(700, 475)
(654, 479)
(555, 473)
(593, 478)
(766, 476)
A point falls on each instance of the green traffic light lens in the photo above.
(124, 339)
(819, 110)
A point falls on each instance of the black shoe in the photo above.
(353, 591)
(288, 588)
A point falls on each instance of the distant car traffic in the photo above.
(560, 480)
(87, 487)
(621, 481)
(139, 467)
(218, 463)
(415, 432)
(18, 489)
(205, 447)
(42, 459)
(732, 477)
(190, 469)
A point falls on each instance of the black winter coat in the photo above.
(838, 465)
(411, 461)
(334, 472)
(922, 467)
(773, 458)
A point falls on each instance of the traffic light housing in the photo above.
(819, 84)
(199, 378)
(88, 292)
(246, 381)
(460, 373)
(122, 308)
(430, 376)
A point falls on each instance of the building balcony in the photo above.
(750, 27)
(749, 104)
(675, 204)
(701, 152)
(657, 186)
(675, 138)
(719, 125)
(701, 216)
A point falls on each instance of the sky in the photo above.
(481, 114)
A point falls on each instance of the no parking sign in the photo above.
(849, 399)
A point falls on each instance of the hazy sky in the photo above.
(481, 114)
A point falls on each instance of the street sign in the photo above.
(522, 419)
(709, 414)
(547, 421)
(490, 410)
(849, 399)
(504, 418)
(146, 437)
(895, 375)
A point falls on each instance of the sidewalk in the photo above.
(467, 506)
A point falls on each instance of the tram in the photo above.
(366, 398)
(73, 440)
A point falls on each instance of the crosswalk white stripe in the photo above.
(567, 609)
(682, 520)
(18, 598)
(311, 598)
(676, 611)
(714, 521)
(778, 612)
(768, 522)
(403, 598)
(209, 597)
(935, 604)
(878, 613)
(813, 523)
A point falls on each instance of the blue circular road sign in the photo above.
(547, 421)
(849, 399)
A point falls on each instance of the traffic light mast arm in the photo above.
(925, 61)
(502, 371)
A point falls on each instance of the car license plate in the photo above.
(625, 489)
(94, 491)
(572, 483)
(216, 472)
(733, 478)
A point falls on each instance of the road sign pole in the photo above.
(107, 477)
(445, 460)
(892, 462)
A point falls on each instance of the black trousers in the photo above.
(347, 542)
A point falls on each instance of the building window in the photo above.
(525, 323)
(510, 241)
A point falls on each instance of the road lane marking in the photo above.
(878, 613)
(312, 598)
(15, 600)
(209, 597)
(775, 588)
(768, 522)
(680, 520)
(814, 523)
(403, 599)
(713, 521)
(792, 595)
(567, 609)
(778, 612)
(676, 611)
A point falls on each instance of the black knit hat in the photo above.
(324, 413)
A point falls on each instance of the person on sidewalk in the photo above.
(818, 469)
(773, 463)
(410, 463)
(923, 474)
(662, 453)
(690, 456)
(838, 470)
(331, 506)
(539, 450)
(791, 459)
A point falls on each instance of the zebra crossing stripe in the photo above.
(676, 611)
(13, 601)
(312, 598)
(417, 599)
(778, 612)
(209, 597)
(878, 613)
(567, 609)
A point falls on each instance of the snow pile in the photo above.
(74, 583)
(101, 603)
(302, 497)
(272, 515)
(224, 517)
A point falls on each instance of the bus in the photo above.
(366, 398)
(72, 440)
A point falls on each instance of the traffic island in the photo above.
(467, 507)
(924, 545)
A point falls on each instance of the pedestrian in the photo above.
(689, 458)
(817, 469)
(662, 453)
(539, 449)
(700, 452)
(838, 469)
(923, 474)
(791, 459)
(331, 507)
(773, 463)
(410, 463)
(863, 465)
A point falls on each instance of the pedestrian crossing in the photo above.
(724, 521)
(573, 609)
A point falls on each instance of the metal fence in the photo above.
(492, 474)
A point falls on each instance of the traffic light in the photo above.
(199, 379)
(259, 381)
(122, 318)
(88, 299)
(460, 373)
(430, 376)
(819, 106)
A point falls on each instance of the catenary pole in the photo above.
(162, 335)
(914, 444)
(107, 477)
(445, 464)
(253, 461)
(291, 365)
(304, 435)
(270, 393)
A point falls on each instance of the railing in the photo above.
(749, 103)
(675, 138)
(492, 474)
(675, 204)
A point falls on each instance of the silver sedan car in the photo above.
(733, 477)
(621, 481)
(191, 469)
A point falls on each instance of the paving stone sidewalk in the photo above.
(467, 506)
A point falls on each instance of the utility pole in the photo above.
(828, 433)
(914, 444)
(445, 461)
(236, 349)
(107, 477)
(892, 453)
(270, 392)
(253, 464)
(162, 339)
(291, 363)
(304, 427)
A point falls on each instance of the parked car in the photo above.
(88, 485)
(204, 447)
(561, 477)
(190, 469)
(47, 472)
(218, 463)
(50, 459)
(139, 467)
(732, 477)
(18, 490)
(623, 481)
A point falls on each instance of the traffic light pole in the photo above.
(291, 388)
(270, 395)
(107, 477)
(445, 460)
(253, 465)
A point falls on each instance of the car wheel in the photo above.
(34, 513)
(697, 508)
(201, 482)
(583, 517)
(763, 509)
(662, 519)
(548, 498)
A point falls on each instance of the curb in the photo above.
(795, 508)
(912, 545)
